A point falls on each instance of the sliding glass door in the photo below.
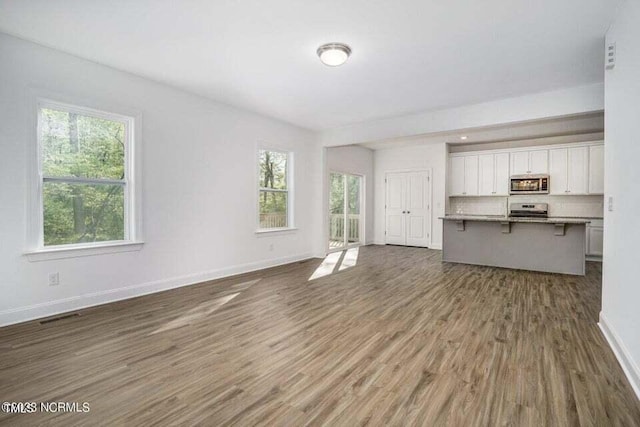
(345, 203)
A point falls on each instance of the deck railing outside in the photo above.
(273, 220)
(336, 227)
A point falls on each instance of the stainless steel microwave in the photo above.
(529, 184)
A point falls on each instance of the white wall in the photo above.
(429, 156)
(558, 103)
(199, 187)
(358, 161)
(620, 316)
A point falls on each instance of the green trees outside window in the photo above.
(83, 177)
(274, 191)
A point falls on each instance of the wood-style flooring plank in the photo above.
(401, 338)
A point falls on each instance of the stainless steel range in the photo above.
(534, 210)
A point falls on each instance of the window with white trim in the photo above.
(274, 196)
(85, 186)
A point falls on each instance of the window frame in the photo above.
(36, 249)
(289, 173)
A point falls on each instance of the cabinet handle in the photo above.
(408, 212)
(404, 212)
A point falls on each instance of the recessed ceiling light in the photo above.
(463, 137)
(334, 54)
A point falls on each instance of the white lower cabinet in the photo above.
(595, 231)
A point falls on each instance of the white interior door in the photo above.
(408, 210)
(418, 216)
(395, 209)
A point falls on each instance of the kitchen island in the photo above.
(554, 245)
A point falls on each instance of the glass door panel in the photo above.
(336, 211)
(345, 200)
(353, 209)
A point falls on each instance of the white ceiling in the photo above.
(408, 55)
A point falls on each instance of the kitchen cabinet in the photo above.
(493, 174)
(463, 176)
(569, 170)
(595, 232)
(596, 169)
(526, 162)
(574, 169)
(456, 176)
(471, 175)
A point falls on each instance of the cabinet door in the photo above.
(456, 176)
(594, 240)
(501, 166)
(596, 169)
(486, 174)
(578, 167)
(539, 161)
(519, 163)
(471, 176)
(558, 171)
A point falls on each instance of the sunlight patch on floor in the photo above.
(349, 259)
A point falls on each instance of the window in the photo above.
(84, 177)
(275, 184)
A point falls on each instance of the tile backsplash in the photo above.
(569, 206)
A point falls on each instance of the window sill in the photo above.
(269, 231)
(81, 251)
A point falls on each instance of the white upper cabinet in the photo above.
(596, 169)
(539, 161)
(471, 175)
(569, 170)
(578, 170)
(486, 174)
(502, 174)
(463, 176)
(520, 163)
(574, 169)
(493, 174)
(456, 176)
(558, 171)
(525, 162)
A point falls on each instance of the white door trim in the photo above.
(429, 172)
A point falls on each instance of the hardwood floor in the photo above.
(398, 339)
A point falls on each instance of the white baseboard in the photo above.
(50, 308)
(436, 246)
(629, 367)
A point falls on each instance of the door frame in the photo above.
(429, 172)
(363, 211)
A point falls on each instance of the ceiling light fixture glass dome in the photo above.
(334, 54)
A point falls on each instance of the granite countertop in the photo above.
(500, 218)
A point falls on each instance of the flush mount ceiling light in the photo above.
(334, 54)
(463, 137)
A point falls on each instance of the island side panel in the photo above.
(528, 246)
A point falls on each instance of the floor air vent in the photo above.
(55, 319)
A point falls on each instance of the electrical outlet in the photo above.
(610, 204)
(271, 247)
(54, 279)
